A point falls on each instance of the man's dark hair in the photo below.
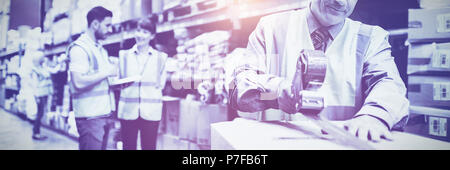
(98, 13)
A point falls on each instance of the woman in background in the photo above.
(140, 104)
(42, 88)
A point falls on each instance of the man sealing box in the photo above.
(362, 84)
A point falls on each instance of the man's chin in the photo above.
(100, 37)
(333, 20)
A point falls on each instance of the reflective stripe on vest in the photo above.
(139, 100)
(90, 94)
(148, 92)
(155, 84)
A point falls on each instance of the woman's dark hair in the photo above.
(148, 24)
(98, 13)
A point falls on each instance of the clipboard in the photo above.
(126, 80)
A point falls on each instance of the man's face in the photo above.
(332, 12)
(102, 28)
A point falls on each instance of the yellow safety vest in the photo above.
(143, 98)
(99, 100)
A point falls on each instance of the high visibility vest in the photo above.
(143, 98)
(99, 100)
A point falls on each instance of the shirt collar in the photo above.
(314, 24)
(134, 49)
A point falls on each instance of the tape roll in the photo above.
(309, 77)
(315, 69)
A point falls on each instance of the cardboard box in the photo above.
(61, 35)
(429, 25)
(193, 146)
(429, 57)
(170, 142)
(112, 138)
(208, 114)
(204, 147)
(162, 128)
(434, 3)
(196, 118)
(189, 111)
(172, 119)
(435, 127)
(438, 126)
(430, 91)
(243, 134)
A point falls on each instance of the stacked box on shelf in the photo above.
(429, 25)
(208, 114)
(192, 125)
(434, 57)
(429, 91)
(434, 3)
(61, 30)
(188, 119)
(438, 127)
(170, 142)
(178, 10)
(172, 117)
(428, 57)
(429, 70)
(434, 125)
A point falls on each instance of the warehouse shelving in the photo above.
(7, 55)
(117, 38)
(12, 88)
(397, 32)
(427, 73)
(56, 49)
(423, 110)
(200, 17)
(112, 39)
(196, 7)
(220, 13)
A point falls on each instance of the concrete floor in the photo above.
(15, 134)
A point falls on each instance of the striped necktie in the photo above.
(320, 38)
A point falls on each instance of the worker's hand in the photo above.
(368, 128)
(111, 70)
(122, 86)
(37, 99)
(286, 100)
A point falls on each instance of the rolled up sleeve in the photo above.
(79, 61)
(383, 88)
